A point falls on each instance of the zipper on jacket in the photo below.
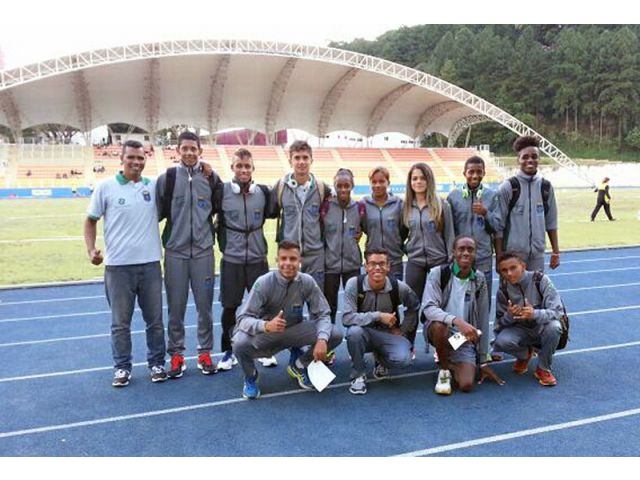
(246, 223)
(381, 227)
(473, 216)
(344, 219)
(190, 211)
(424, 247)
(530, 225)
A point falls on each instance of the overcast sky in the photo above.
(31, 31)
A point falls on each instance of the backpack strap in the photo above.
(545, 190)
(395, 295)
(267, 201)
(515, 195)
(279, 187)
(170, 184)
(360, 292)
(445, 275)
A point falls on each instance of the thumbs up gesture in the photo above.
(527, 311)
(276, 324)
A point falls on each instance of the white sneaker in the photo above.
(443, 386)
(359, 385)
(268, 361)
(228, 361)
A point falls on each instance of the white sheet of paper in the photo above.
(320, 375)
(456, 340)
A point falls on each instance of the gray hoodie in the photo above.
(547, 307)
(528, 222)
(341, 228)
(476, 306)
(189, 234)
(383, 226)
(375, 303)
(272, 292)
(467, 223)
(300, 221)
(242, 233)
(425, 245)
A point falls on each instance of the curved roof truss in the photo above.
(69, 63)
(461, 125)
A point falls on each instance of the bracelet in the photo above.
(555, 254)
(482, 365)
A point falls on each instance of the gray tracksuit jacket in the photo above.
(547, 307)
(383, 226)
(240, 220)
(425, 245)
(476, 306)
(300, 222)
(189, 234)
(465, 222)
(272, 292)
(527, 224)
(341, 228)
(375, 303)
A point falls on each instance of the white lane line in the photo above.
(186, 408)
(601, 259)
(72, 315)
(617, 285)
(67, 299)
(216, 324)
(593, 271)
(520, 434)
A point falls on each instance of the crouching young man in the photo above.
(528, 312)
(371, 315)
(271, 320)
(455, 301)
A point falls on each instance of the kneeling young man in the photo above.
(528, 312)
(455, 301)
(271, 320)
(371, 315)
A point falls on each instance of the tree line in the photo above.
(579, 85)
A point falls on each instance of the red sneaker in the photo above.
(177, 366)
(205, 364)
(521, 366)
(545, 377)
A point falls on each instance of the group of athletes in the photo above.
(445, 285)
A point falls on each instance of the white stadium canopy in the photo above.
(261, 85)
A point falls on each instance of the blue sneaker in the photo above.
(295, 353)
(300, 374)
(250, 389)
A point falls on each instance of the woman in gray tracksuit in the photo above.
(430, 224)
(340, 217)
(382, 220)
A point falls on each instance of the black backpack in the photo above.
(545, 190)
(394, 294)
(564, 318)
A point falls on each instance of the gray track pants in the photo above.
(517, 339)
(178, 275)
(247, 347)
(394, 351)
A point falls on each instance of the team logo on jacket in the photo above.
(315, 209)
(121, 201)
(539, 209)
(431, 226)
(257, 215)
(391, 223)
(202, 203)
(146, 195)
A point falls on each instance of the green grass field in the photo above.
(41, 240)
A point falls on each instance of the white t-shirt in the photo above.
(459, 289)
(131, 232)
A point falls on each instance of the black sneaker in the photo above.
(158, 374)
(121, 378)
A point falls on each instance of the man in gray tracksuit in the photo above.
(373, 321)
(476, 213)
(528, 312)
(188, 258)
(241, 207)
(455, 301)
(523, 227)
(271, 320)
(383, 227)
(298, 196)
